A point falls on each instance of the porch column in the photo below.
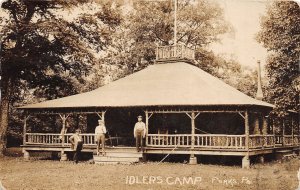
(193, 159)
(26, 154)
(265, 126)
(101, 115)
(147, 117)
(246, 158)
(264, 132)
(147, 122)
(64, 119)
(273, 131)
(63, 130)
(247, 130)
(283, 131)
(256, 130)
(193, 130)
(25, 129)
(298, 131)
(292, 123)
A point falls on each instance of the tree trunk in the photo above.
(4, 114)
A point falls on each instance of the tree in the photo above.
(152, 23)
(39, 47)
(280, 29)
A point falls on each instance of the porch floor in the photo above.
(163, 150)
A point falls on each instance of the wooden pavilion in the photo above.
(222, 120)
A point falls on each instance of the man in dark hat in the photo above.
(77, 143)
(139, 133)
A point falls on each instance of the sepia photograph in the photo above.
(149, 94)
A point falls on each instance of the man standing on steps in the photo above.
(139, 133)
(76, 142)
(100, 132)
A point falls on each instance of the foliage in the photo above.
(41, 46)
(47, 54)
(44, 51)
(280, 29)
(195, 28)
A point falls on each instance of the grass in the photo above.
(15, 173)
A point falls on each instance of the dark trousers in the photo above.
(77, 154)
(139, 141)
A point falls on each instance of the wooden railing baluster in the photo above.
(213, 141)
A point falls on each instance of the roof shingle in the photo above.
(169, 84)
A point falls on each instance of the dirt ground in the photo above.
(15, 173)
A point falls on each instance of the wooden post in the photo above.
(25, 129)
(283, 131)
(298, 132)
(256, 125)
(103, 117)
(193, 159)
(26, 154)
(64, 119)
(273, 131)
(264, 126)
(292, 123)
(175, 26)
(247, 130)
(246, 158)
(246, 161)
(261, 159)
(193, 129)
(147, 125)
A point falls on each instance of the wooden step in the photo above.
(124, 154)
(115, 159)
(118, 157)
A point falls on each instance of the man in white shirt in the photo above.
(100, 132)
(139, 133)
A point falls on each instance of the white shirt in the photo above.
(139, 126)
(100, 129)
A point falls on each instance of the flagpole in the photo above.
(175, 22)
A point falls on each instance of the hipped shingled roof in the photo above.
(169, 84)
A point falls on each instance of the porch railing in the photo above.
(287, 140)
(261, 141)
(220, 141)
(201, 140)
(174, 51)
(162, 140)
(278, 140)
(56, 139)
(215, 141)
(296, 140)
